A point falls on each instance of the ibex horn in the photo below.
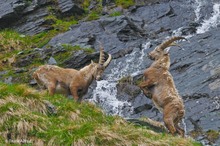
(101, 57)
(175, 44)
(108, 60)
(169, 42)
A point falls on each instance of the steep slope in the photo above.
(30, 117)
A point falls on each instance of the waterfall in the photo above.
(211, 22)
(197, 6)
(105, 95)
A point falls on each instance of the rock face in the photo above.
(30, 17)
(129, 37)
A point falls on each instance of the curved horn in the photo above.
(169, 42)
(102, 55)
(108, 60)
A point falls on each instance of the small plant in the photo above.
(125, 3)
(116, 13)
(212, 135)
(61, 25)
(69, 47)
(28, 2)
(93, 16)
(127, 79)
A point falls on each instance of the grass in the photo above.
(116, 13)
(69, 47)
(93, 16)
(125, 3)
(25, 116)
(212, 135)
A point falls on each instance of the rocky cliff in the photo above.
(129, 36)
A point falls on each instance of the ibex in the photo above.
(71, 81)
(158, 84)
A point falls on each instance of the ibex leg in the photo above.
(169, 123)
(74, 93)
(52, 88)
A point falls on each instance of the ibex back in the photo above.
(158, 84)
(70, 81)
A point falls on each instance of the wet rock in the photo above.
(35, 23)
(30, 17)
(127, 92)
(81, 59)
(68, 7)
(101, 30)
(9, 11)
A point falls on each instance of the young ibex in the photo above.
(70, 81)
(158, 84)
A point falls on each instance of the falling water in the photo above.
(197, 6)
(211, 22)
(105, 94)
(184, 126)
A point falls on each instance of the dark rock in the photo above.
(68, 7)
(31, 17)
(81, 59)
(102, 30)
(50, 107)
(131, 91)
(35, 23)
(20, 70)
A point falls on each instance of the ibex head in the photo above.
(161, 49)
(100, 67)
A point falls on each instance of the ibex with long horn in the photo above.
(70, 81)
(158, 84)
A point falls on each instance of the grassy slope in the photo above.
(24, 115)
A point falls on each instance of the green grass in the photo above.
(124, 3)
(93, 16)
(69, 47)
(24, 115)
(114, 14)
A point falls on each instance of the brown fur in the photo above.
(158, 84)
(70, 81)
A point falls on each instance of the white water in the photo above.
(105, 94)
(197, 7)
(184, 126)
(211, 22)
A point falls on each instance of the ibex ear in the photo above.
(92, 62)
